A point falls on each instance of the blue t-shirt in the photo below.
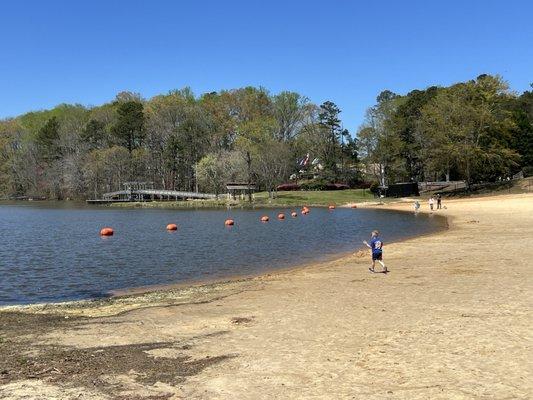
(376, 245)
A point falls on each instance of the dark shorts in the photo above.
(377, 256)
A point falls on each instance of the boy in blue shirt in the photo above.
(377, 251)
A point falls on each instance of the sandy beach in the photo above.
(451, 321)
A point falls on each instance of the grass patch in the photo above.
(261, 199)
(316, 198)
(177, 204)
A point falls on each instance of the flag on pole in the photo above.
(303, 162)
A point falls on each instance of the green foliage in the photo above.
(315, 184)
(268, 159)
(467, 126)
(210, 171)
(405, 123)
(330, 123)
(129, 130)
(94, 133)
(528, 171)
(476, 130)
(106, 169)
(522, 141)
(379, 144)
(290, 111)
(47, 139)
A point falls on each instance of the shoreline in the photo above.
(116, 293)
(200, 284)
(451, 320)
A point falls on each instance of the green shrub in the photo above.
(374, 187)
(316, 184)
(528, 171)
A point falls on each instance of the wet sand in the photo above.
(452, 320)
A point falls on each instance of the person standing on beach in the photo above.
(416, 206)
(439, 201)
(376, 245)
(431, 202)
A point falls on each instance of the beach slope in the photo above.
(451, 321)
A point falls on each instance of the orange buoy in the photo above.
(229, 222)
(106, 232)
(354, 205)
(294, 214)
(264, 218)
(172, 227)
(281, 216)
(331, 207)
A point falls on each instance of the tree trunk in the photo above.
(468, 173)
(249, 165)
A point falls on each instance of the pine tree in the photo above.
(47, 139)
(129, 130)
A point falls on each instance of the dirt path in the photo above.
(452, 320)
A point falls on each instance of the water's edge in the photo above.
(131, 292)
(127, 292)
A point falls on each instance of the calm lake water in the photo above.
(54, 252)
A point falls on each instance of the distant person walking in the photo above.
(431, 203)
(376, 245)
(416, 206)
(439, 201)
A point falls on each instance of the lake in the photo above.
(53, 252)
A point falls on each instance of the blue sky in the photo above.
(345, 51)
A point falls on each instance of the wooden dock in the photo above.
(124, 196)
(144, 191)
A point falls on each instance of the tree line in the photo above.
(477, 130)
(177, 141)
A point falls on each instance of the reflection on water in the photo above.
(53, 254)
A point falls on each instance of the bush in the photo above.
(528, 171)
(374, 187)
(337, 186)
(351, 178)
(321, 184)
(286, 187)
(361, 185)
(317, 184)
